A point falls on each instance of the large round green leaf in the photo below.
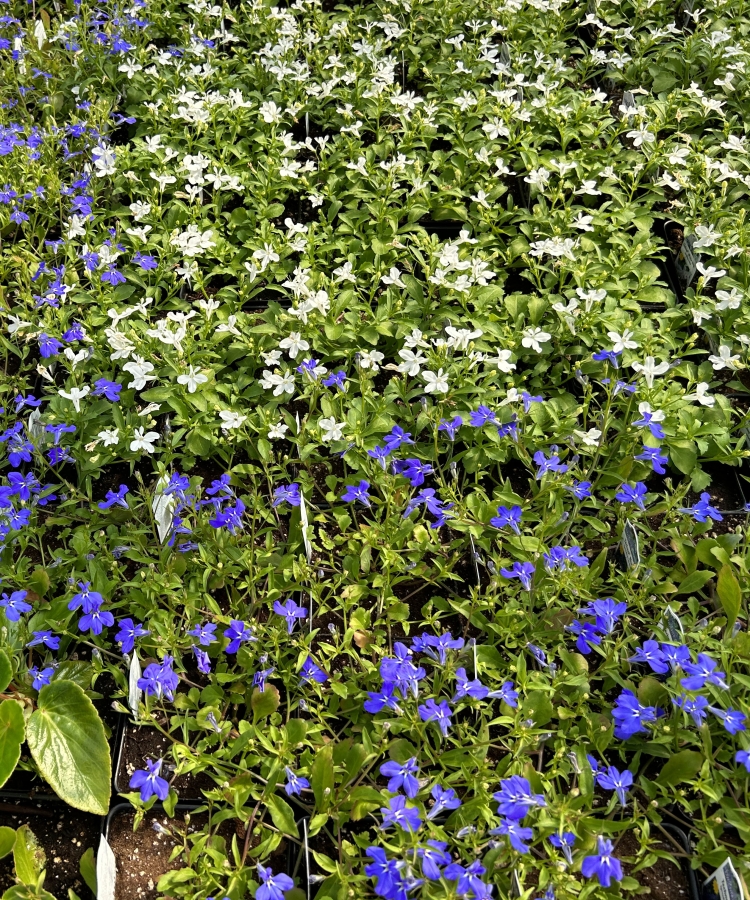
(66, 738)
(11, 738)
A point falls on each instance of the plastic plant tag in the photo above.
(475, 559)
(305, 523)
(672, 626)
(163, 508)
(724, 884)
(629, 545)
(35, 428)
(134, 692)
(106, 871)
(307, 859)
(686, 263)
(516, 889)
(628, 100)
(505, 55)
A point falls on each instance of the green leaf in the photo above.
(67, 741)
(172, 879)
(27, 892)
(264, 703)
(6, 670)
(684, 455)
(363, 800)
(321, 777)
(681, 767)
(282, 815)
(538, 707)
(694, 582)
(87, 867)
(28, 856)
(730, 594)
(7, 839)
(11, 737)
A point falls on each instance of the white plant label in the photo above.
(134, 692)
(163, 507)
(106, 871)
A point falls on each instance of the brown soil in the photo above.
(63, 833)
(665, 880)
(140, 744)
(143, 857)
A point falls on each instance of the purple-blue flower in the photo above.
(702, 511)
(402, 776)
(399, 814)
(129, 631)
(115, 498)
(702, 671)
(357, 493)
(630, 717)
(515, 797)
(465, 688)
(611, 779)
(149, 781)
(507, 518)
(291, 612)
(516, 834)
(444, 799)
(605, 866)
(273, 887)
(287, 493)
(15, 605)
(295, 784)
(204, 634)
(44, 638)
(238, 633)
(524, 572)
(654, 456)
(451, 426)
(310, 671)
(651, 654)
(159, 680)
(433, 856)
(41, 677)
(628, 494)
(434, 712)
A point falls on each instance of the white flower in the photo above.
(590, 438)
(230, 419)
(709, 272)
(15, 324)
(209, 306)
(294, 344)
(144, 440)
(699, 315)
(502, 361)
(109, 438)
(281, 384)
(331, 429)
(701, 395)
(641, 136)
(229, 326)
(139, 369)
(266, 255)
(460, 337)
(75, 395)
(649, 368)
(130, 68)
(104, 160)
(415, 339)
(394, 278)
(707, 236)
(412, 362)
(192, 378)
(622, 341)
(163, 180)
(724, 358)
(140, 210)
(583, 222)
(657, 415)
(533, 338)
(276, 432)
(435, 383)
(371, 359)
(728, 299)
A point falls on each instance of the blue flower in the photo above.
(202, 660)
(399, 814)
(515, 797)
(96, 621)
(481, 416)
(312, 672)
(15, 604)
(273, 887)
(41, 677)
(528, 399)
(444, 799)
(545, 465)
(647, 421)
(204, 633)
(379, 700)
(607, 612)
(743, 758)
(287, 493)
(651, 654)
(128, 633)
(396, 438)
(588, 635)
(580, 489)
(413, 469)
(469, 880)
(433, 856)
(516, 833)
(149, 781)
(732, 719)
(87, 599)
(523, 571)
(109, 389)
(608, 355)
(238, 633)
(259, 679)
(380, 454)
(507, 694)
(695, 707)
(44, 638)
(628, 494)
(387, 874)
(676, 656)
(295, 784)
(564, 842)
(115, 498)
(702, 511)
(229, 518)
(655, 456)
(159, 680)
(451, 426)
(611, 779)
(291, 612)
(145, 261)
(434, 712)
(507, 518)
(48, 346)
(630, 717)
(702, 671)
(605, 866)
(402, 775)
(358, 493)
(437, 645)
(465, 688)
(336, 379)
